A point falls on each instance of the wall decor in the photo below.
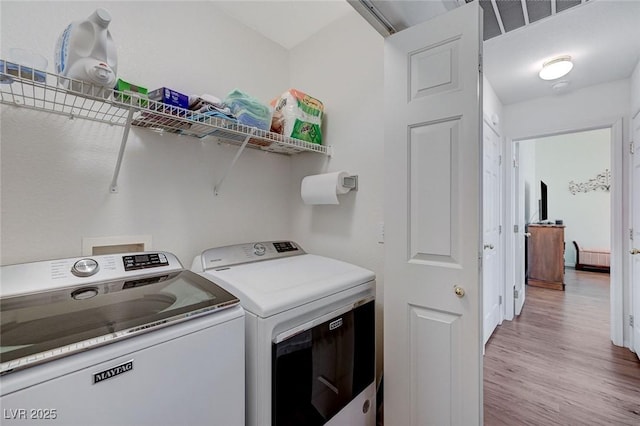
(601, 182)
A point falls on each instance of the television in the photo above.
(543, 202)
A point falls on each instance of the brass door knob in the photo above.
(459, 291)
(634, 251)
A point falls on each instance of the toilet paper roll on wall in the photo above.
(324, 188)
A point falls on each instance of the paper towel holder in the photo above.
(350, 182)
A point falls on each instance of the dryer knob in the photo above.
(259, 249)
(85, 268)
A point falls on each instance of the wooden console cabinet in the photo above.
(546, 256)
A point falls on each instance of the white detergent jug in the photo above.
(85, 51)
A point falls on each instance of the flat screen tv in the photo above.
(543, 201)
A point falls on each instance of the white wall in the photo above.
(491, 105)
(576, 157)
(528, 170)
(583, 109)
(342, 65)
(56, 172)
(635, 91)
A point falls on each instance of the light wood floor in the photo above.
(555, 364)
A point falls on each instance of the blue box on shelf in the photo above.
(169, 97)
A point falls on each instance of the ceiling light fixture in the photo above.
(556, 68)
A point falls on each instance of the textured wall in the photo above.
(56, 172)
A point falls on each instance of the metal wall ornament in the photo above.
(601, 182)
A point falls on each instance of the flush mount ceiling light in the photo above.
(556, 68)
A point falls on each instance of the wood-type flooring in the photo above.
(555, 364)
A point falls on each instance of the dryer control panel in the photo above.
(224, 257)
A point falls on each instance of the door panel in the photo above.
(426, 406)
(432, 150)
(433, 219)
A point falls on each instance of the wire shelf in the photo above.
(39, 90)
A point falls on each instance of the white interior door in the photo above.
(491, 282)
(635, 243)
(519, 235)
(433, 220)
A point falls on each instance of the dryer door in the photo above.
(319, 367)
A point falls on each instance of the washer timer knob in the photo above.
(259, 249)
(85, 268)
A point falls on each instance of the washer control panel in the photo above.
(144, 260)
(45, 275)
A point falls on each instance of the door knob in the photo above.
(634, 251)
(527, 234)
(459, 291)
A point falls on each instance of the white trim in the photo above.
(617, 287)
(525, 12)
(498, 17)
(509, 273)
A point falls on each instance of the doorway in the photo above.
(614, 130)
(575, 169)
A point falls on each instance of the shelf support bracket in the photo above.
(216, 188)
(123, 144)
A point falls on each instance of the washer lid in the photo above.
(272, 286)
(44, 326)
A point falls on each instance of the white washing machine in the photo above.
(310, 333)
(128, 339)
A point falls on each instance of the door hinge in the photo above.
(480, 63)
(499, 229)
(631, 147)
(631, 234)
(631, 320)
(499, 300)
(516, 229)
(516, 294)
(499, 160)
(515, 163)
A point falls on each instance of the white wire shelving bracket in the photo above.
(42, 91)
(216, 188)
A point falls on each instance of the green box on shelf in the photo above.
(125, 87)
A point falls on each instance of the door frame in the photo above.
(634, 343)
(619, 279)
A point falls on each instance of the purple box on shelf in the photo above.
(169, 97)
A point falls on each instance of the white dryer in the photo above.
(310, 333)
(130, 339)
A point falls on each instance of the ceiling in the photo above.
(602, 36)
(500, 16)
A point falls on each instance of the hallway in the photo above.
(555, 364)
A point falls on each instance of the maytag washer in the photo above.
(310, 330)
(128, 339)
